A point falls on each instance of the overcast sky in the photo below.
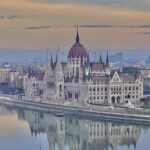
(35, 24)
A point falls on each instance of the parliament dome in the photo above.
(77, 50)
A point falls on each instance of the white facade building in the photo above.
(83, 81)
(115, 88)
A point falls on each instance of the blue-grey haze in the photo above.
(23, 55)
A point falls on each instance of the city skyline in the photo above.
(74, 74)
(126, 25)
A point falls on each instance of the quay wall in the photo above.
(79, 111)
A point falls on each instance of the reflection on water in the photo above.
(71, 133)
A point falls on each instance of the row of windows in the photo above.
(98, 82)
(131, 88)
(133, 93)
(113, 88)
(126, 88)
(116, 93)
(105, 97)
(98, 98)
(129, 96)
(35, 84)
(98, 133)
(94, 93)
(98, 89)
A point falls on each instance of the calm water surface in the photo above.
(29, 130)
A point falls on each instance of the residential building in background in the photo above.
(4, 75)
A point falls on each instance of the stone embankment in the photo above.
(132, 116)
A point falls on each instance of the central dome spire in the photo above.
(77, 50)
(77, 36)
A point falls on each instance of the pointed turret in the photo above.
(48, 71)
(49, 79)
(100, 58)
(107, 60)
(88, 58)
(77, 36)
(81, 61)
(59, 79)
(52, 63)
(58, 62)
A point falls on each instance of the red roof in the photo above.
(98, 66)
(129, 78)
(40, 76)
(104, 79)
(77, 51)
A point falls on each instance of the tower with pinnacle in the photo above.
(59, 78)
(49, 81)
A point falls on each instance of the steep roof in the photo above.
(97, 66)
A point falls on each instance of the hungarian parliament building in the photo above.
(80, 80)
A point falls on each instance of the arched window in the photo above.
(76, 95)
(118, 99)
(94, 89)
(128, 96)
(90, 89)
(77, 71)
(73, 71)
(113, 99)
(60, 87)
(114, 88)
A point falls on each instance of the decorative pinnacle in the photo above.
(107, 60)
(100, 59)
(77, 36)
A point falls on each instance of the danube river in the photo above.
(29, 130)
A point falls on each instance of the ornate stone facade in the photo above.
(83, 81)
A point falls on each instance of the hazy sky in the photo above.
(31, 24)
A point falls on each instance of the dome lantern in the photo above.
(77, 50)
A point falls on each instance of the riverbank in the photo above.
(123, 116)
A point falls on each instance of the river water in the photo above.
(22, 129)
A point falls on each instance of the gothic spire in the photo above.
(48, 66)
(107, 60)
(52, 65)
(77, 36)
(56, 59)
(58, 63)
(48, 58)
(88, 58)
(100, 59)
(57, 55)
